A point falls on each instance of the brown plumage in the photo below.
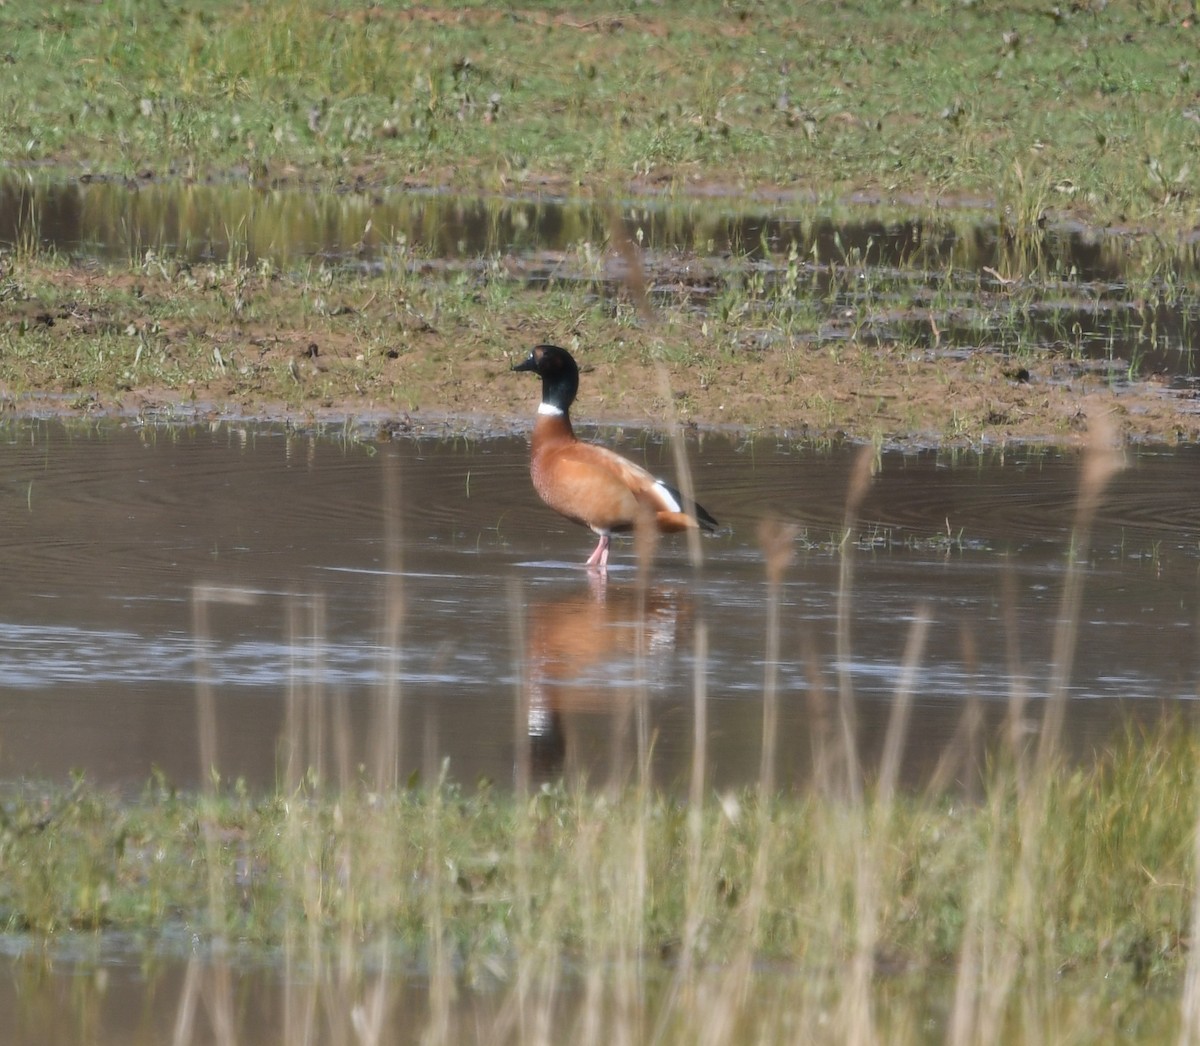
(587, 483)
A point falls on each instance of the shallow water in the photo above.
(145, 565)
(108, 990)
(115, 996)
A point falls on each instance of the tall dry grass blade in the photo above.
(432, 764)
(985, 968)
(897, 729)
(964, 1008)
(777, 541)
(594, 917)
(870, 830)
(645, 545)
(522, 756)
(683, 470)
(633, 278)
(621, 724)
(1023, 949)
(696, 790)
(632, 275)
(820, 727)
(962, 750)
(369, 1017)
(441, 972)
(300, 752)
(185, 1014)
(388, 697)
(683, 985)
(220, 1002)
(206, 714)
(299, 996)
(206, 724)
(861, 474)
(1189, 1031)
(961, 754)
(293, 733)
(513, 1012)
(342, 747)
(645, 540)
(313, 688)
(1102, 460)
(856, 1014)
(1004, 947)
(631, 977)
(1016, 728)
(699, 771)
(212, 989)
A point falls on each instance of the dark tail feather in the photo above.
(693, 508)
(703, 516)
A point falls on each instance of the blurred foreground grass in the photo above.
(935, 893)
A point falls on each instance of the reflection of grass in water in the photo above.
(855, 910)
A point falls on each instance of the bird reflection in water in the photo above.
(592, 659)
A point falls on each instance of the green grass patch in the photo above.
(503, 888)
(1085, 107)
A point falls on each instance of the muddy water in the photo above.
(940, 286)
(145, 565)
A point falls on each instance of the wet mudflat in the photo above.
(143, 561)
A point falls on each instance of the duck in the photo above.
(587, 483)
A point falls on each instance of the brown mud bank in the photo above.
(83, 341)
(404, 312)
(971, 403)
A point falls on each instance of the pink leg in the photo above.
(599, 556)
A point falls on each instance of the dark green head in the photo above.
(559, 373)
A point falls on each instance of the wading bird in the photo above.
(587, 483)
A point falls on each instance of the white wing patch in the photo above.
(667, 497)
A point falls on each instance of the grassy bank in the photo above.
(1084, 108)
(1074, 884)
